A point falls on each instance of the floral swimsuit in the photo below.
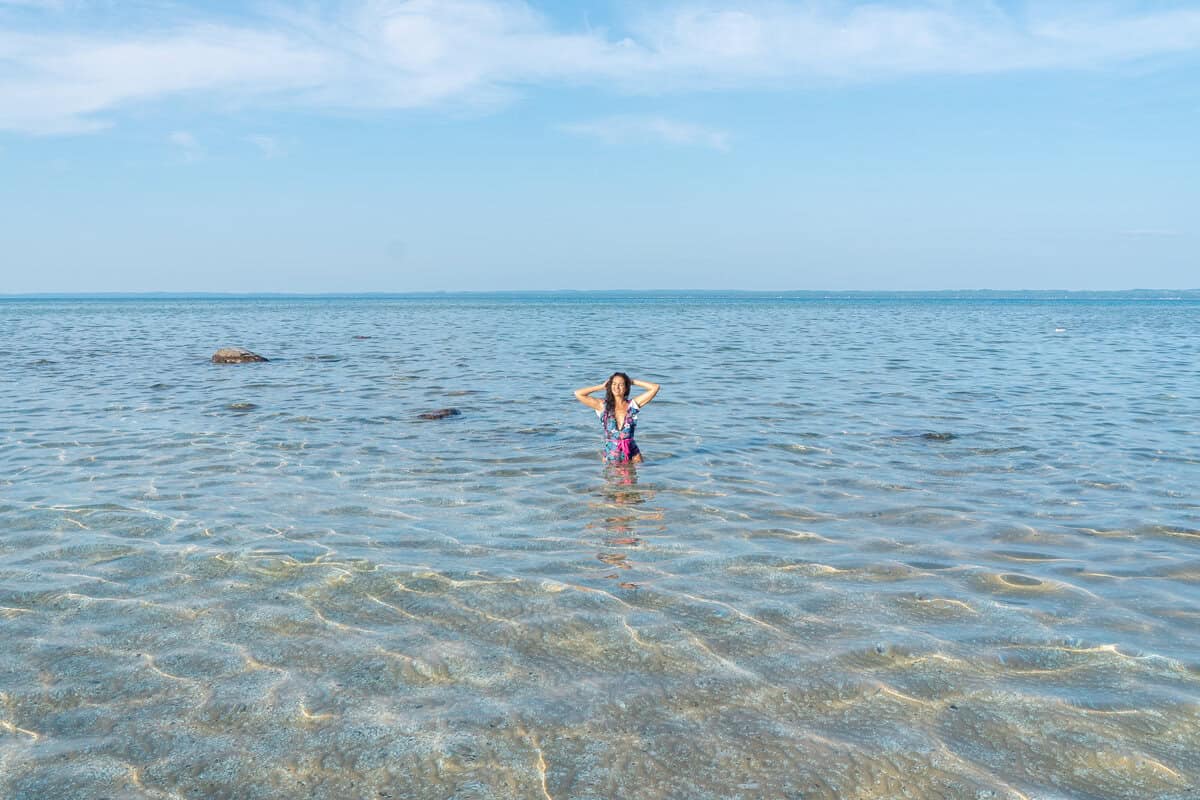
(619, 447)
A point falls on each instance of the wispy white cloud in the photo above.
(844, 42)
(187, 145)
(269, 146)
(61, 83)
(417, 53)
(621, 129)
(1151, 233)
(54, 4)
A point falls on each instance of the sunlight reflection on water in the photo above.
(934, 548)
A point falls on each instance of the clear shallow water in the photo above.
(879, 549)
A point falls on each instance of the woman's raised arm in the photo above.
(584, 396)
(646, 396)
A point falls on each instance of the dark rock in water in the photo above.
(441, 413)
(360, 338)
(235, 355)
(323, 357)
(938, 437)
(160, 386)
(42, 362)
(241, 406)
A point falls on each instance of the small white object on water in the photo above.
(1060, 330)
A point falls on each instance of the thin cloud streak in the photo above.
(624, 129)
(1151, 233)
(395, 54)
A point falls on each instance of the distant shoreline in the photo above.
(798, 294)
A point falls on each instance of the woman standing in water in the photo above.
(618, 415)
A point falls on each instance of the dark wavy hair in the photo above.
(609, 398)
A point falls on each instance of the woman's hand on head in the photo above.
(648, 395)
(584, 396)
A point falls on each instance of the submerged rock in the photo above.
(235, 355)
(938, 437)
(242, 406)
(441, 413)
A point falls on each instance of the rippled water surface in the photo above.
(892, 548)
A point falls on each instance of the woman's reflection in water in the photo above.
(622, 516)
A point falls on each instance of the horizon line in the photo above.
(450, 292)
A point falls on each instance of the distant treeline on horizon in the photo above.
(798, 294)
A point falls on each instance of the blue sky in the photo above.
(409, 145)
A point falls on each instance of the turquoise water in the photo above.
(890, 547)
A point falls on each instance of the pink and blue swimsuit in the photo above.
(619, 447)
